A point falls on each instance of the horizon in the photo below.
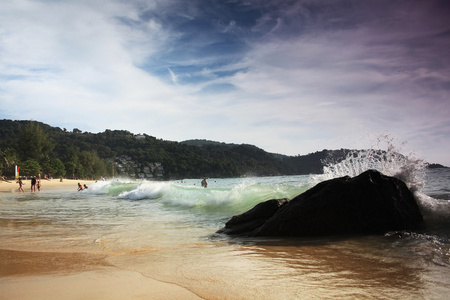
(289, 77)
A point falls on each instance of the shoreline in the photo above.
(74, 274)
(57, 275)
(46, 185)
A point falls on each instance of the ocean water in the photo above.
(166, 230)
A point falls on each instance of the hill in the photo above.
(40, 148)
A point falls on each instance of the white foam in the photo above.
(388, 161)
(145, 190)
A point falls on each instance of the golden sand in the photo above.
(46, 184)
(53, 275)
(39, 275)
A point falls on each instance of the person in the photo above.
(204, 183)
(4, 179)
(20, 185)
(80, 188)
(39, 185)
(85, 187)
(33, 184)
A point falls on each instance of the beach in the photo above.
(48, 275)
(46, 184)
(137, 239)
(72, 275)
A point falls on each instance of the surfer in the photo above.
(80, 188)
(204, 183)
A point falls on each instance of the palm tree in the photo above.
(8, 158)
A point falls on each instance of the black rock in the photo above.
(253, 218)
(365, 204)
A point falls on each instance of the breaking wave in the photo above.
(228, 195)
(410, 168)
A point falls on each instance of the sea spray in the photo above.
(390, 161)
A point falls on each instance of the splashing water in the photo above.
(408, 168)
(389, 162)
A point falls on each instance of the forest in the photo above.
(39, 148)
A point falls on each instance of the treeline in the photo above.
(40, 148)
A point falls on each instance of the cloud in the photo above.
(289, 76)
(173, 76)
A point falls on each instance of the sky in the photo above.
(291, 77)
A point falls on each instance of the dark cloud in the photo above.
(209, 34)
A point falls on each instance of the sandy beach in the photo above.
(49, 275)
(13, 186)
(73, 275)
(125, 239)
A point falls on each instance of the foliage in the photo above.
(82, 154)
(34, 143)
(54, 167)
(30, 167)
(8, 159)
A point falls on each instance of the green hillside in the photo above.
(40, 148)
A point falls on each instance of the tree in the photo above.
(30, 168)
(8, 159)
(70, 167)
(34, 143)
(54, 167)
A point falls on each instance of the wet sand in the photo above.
(73, 275)
(38, 275)
(51, 248)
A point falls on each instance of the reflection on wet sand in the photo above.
(38, 263)
(357, 267)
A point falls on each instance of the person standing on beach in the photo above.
(20, 185)
(33, 184)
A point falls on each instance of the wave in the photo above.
(429, 187)
(111, 188)
(389, 161)
(227, 195)
(233, 196)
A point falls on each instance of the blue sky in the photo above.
(291, 77)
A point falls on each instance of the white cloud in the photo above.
(84, 63)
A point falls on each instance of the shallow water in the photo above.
(166, 230)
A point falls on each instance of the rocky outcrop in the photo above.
(253, 218)
(365, 204)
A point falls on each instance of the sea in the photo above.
(166, 230)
